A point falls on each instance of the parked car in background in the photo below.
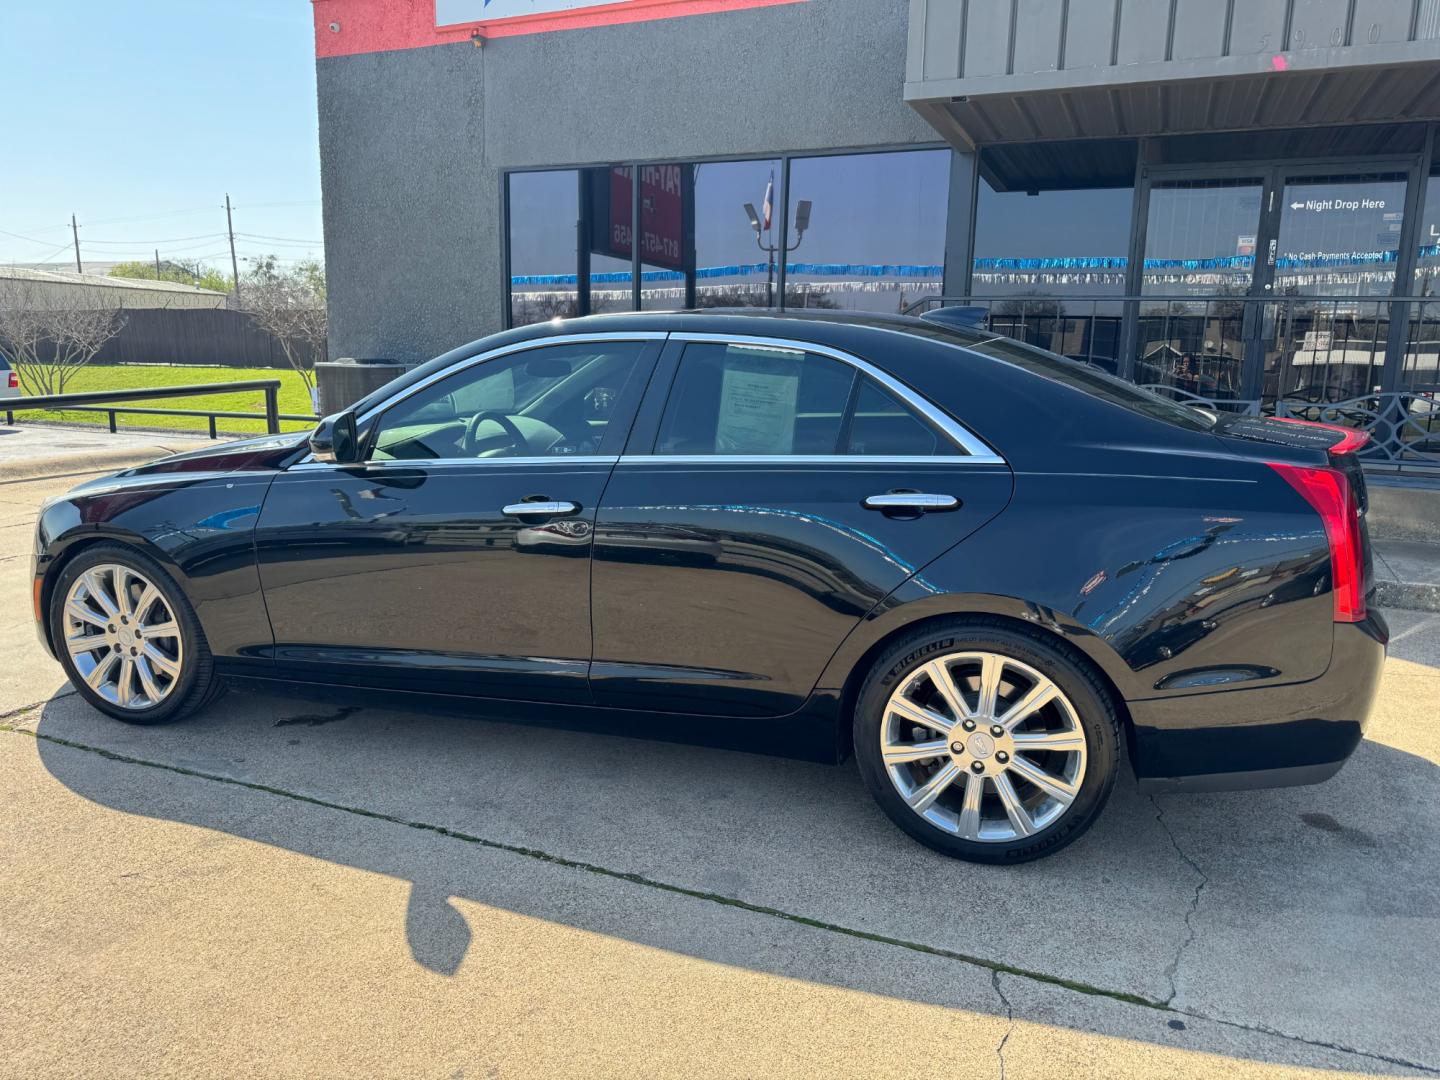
(9, 380)
(976, 566)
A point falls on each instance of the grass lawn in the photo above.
(294, 397)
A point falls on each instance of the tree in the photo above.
(48, 332)
(289, 304)
(181, 271)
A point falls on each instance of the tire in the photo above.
(1026, 820)
(162, 695)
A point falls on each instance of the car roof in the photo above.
(756, 321)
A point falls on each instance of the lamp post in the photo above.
(802, 222)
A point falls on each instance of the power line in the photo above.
(47, 257)
(153, 217)
(31, 239)
(280, 239)
(170, 240)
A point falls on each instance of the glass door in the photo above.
(1329, 267)
(1201, 239)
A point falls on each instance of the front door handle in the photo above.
(541, 508)
(915, 502)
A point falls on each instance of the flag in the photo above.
(769, 193)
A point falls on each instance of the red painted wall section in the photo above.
(350, 27)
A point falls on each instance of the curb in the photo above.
(1409, 595)
(61, 465)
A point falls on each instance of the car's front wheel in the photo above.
(986, 743)
(128, 638)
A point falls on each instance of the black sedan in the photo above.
(976, 565)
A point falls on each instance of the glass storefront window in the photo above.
(872, 228)
(1200, 237)
(1339, 235)
(609, 198)
(1420, 366)
(544, 214)
(1052, 241)
(875, 235)
(698, 244)
(667, 243)
(734, 269)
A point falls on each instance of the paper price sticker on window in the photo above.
(758, 396)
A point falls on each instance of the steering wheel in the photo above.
(517, 437)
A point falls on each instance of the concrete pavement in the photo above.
(32, 450)
(284, 887)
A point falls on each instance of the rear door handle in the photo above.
(541, 508)
(914, 501)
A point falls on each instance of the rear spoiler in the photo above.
(1335, 440)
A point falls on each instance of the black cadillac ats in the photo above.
(976, 566)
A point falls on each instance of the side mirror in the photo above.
(333, 440)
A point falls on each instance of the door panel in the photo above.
(723, 587)
(411, 576)
(422, 569)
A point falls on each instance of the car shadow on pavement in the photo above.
(1300, 911)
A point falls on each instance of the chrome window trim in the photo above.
(426, 463)
(806, 459)
(506, 350)
(977, 452)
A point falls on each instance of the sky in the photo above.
(139, 116)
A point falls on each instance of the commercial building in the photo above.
(1229, 199)
(61, 288)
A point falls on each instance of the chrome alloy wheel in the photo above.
(123, 637)
(983, 746)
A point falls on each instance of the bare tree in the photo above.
(533, 307)
(290, 306)
(49, 332)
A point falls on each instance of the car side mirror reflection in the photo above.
(333, 440)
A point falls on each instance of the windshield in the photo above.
(1081, 376)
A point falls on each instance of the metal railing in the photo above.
(1363, 361)
(103, 401)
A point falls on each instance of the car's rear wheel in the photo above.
(986, 743)
(128, 639)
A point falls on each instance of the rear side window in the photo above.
(1095, 382)
(762, 401)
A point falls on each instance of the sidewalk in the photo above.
(1407, 574)
(34, 450)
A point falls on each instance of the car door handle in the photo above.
(917, 502)
(541, 508)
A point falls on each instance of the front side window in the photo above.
(552, 401)
(760, 400)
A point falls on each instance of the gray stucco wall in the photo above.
(413, 143)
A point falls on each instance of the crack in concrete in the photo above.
(10, 714)
(995, 967)
(1172, 969)
(1009, 1015)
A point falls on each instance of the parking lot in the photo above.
(287, 887)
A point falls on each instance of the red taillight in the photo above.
(1350, 439)
(14, 380)
(1329, 491)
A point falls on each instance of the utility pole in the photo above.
(157, 264)
(75, 231)
(234, 263)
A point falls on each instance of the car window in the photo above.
(884, 426)
(1093, 381)
(550, 401)
(760, 400)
